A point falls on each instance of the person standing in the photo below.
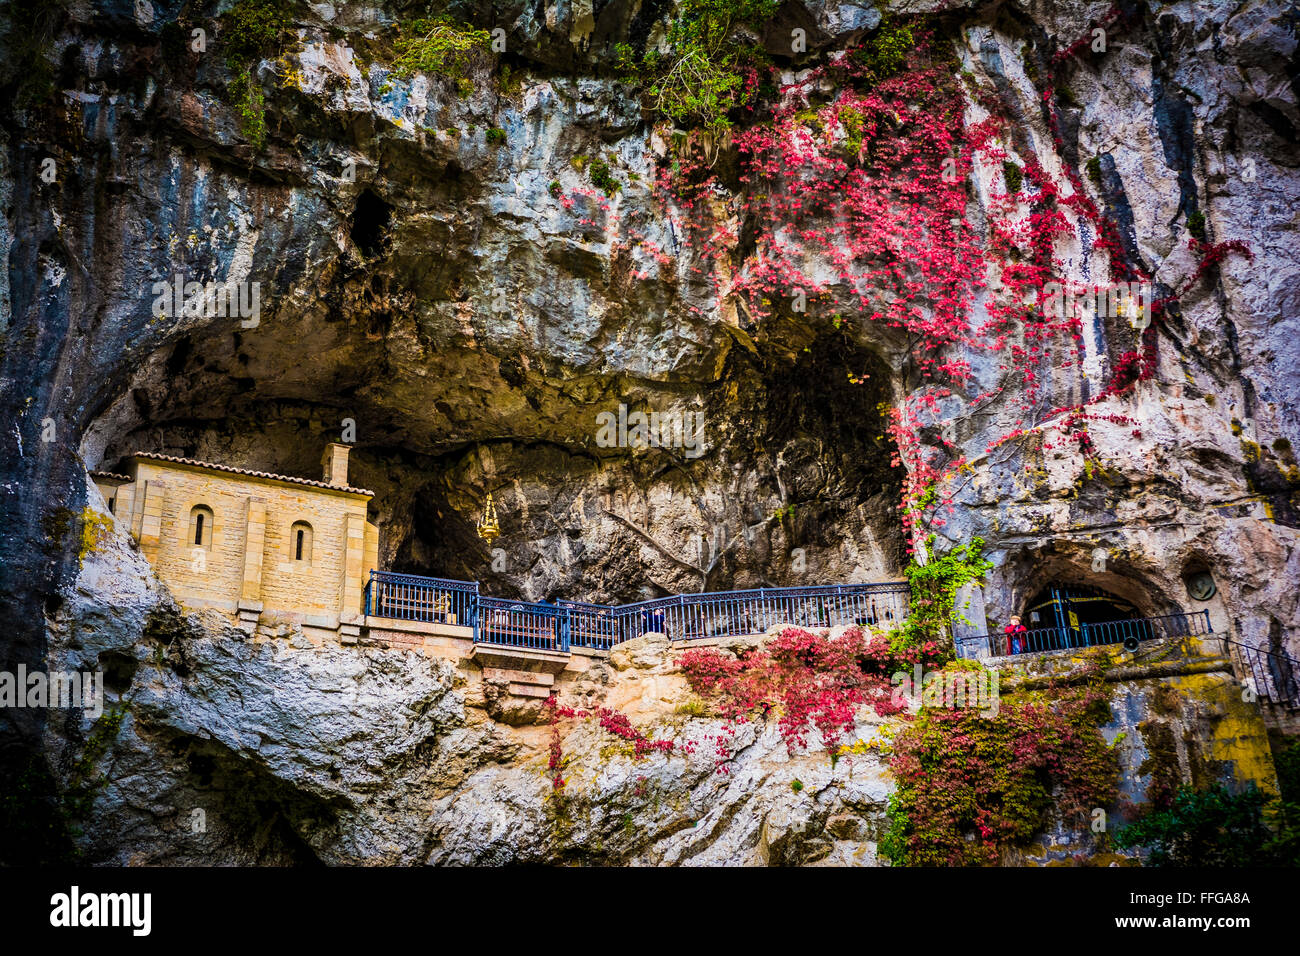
(1016, 644)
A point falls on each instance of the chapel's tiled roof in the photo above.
(252, 474)
(109, 476)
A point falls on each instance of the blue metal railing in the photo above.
(1275, 676)
(591, 625)
(738, 613)
(600, 626)
(412, 597)
(1042, 639)
(542, 627)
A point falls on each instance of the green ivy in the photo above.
(251, 31)
(934, 586)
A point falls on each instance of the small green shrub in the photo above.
(1213, 827)
(437, 45)
(600, 176)
(251, 31)
(853, 123)
(1094, 171)
(885, 53)
(511, 81)
(701, 77)
(250, 104)
(554, 188)
(496, 136)
(694, 707)
(1196, 224)
(1013, 176)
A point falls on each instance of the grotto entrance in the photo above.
(795, 487)
(1062, 605)
(1072, 615)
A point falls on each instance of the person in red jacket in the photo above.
(1015, 643)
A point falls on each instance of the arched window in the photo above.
(300, 542)
(200, 527)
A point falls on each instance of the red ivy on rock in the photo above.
(857, 207)
(970, 787)
(611, 721)
(809, 681)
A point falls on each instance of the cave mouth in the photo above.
(370, 222)
(1071, 605)
(1064, 615)
(797, 444)
(794, 485)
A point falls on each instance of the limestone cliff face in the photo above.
(294, 753)
(270, 748)
(426, 284)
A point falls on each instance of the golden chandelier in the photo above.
(489, 528)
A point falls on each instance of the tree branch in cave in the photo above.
(661, 548)
(718, 557)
